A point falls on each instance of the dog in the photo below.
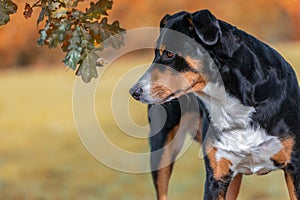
(249, 91)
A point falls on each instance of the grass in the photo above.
(42, 157)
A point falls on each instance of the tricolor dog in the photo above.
(249, 92)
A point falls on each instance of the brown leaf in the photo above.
(27, 11)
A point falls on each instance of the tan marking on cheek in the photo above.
(194, 63)
(160, 92)
(162, 84)
(220, 168)
(196, 80)
(283, 157)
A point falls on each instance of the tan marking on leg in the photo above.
(234, 188)
(164, 173)
(283, 157)
(163, 177)
(290, 185)
(198, 136)
(221, 196)
(221, 167)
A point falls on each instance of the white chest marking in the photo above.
(249, 149)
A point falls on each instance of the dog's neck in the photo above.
(226, 112)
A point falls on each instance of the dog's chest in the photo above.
(248, 149)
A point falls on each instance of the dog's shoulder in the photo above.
(257, 75)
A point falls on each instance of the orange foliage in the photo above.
(292, 7)
(270, 20)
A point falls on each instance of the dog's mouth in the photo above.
(179, 93)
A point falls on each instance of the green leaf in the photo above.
(41, 16)
(54, 33)
(59, 13)
(112, 35)
(74, 42)
(72, 58)
(76, 14)
(43, 36)
(87, 70)
(7, 7)
(97, 9)
(80, 34)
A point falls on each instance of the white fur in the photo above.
(249, 149)
(225, 111)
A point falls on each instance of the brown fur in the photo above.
(165, 83)
(220, 168)
(283, 157)
(290, 185)
(164, 173)
(195, 64)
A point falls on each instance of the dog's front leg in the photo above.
(292, 176)
(163, 158)
(218, 176)
(168, 133)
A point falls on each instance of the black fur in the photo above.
(254, 73)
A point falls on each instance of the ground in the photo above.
(42, 157)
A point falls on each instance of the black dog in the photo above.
(250, 91)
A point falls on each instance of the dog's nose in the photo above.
(136, 93)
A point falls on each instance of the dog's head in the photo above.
(181, 64)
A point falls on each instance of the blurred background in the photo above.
(41, 156)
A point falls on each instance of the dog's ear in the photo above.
(164, 20)
(206, 26)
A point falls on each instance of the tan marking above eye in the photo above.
(162, 48)
(164, 173)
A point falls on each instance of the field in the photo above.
(42, 157)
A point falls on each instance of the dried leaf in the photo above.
(7, 7)
(27, 11)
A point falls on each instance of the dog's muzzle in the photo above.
(136, 92)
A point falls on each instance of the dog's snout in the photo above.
(136, 93)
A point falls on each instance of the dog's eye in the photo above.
(168, 54)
